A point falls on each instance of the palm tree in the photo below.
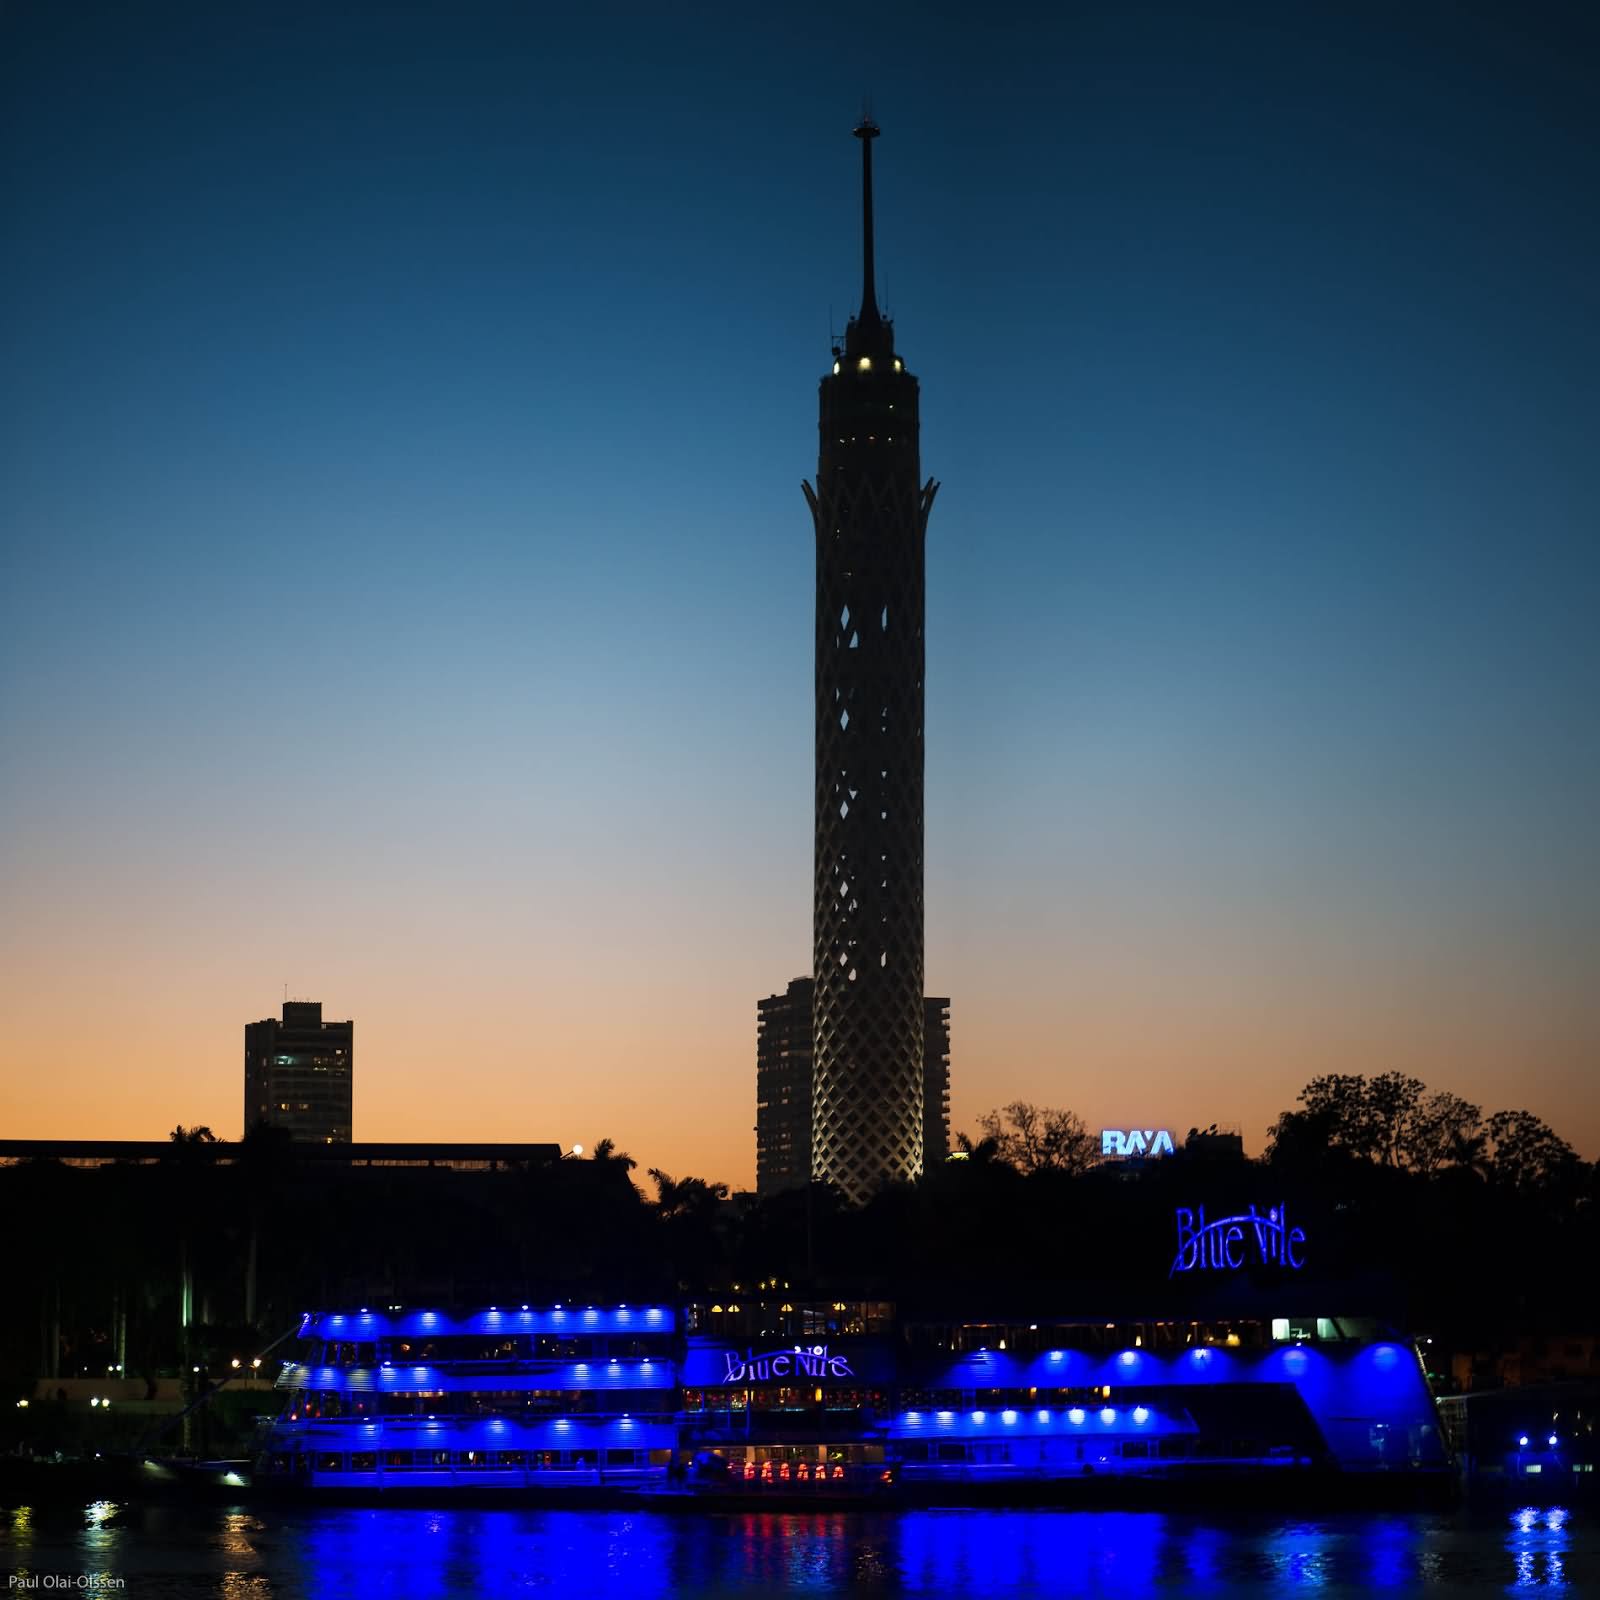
(687, 1197)
(983, 1152)
(607, 1150)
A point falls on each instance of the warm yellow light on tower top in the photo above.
(864, 364)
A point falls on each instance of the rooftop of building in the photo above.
(104, 1152)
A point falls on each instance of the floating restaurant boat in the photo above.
(767, 1397)
(514, 1397)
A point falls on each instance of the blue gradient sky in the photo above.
(407, 588)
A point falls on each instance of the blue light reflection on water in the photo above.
(431, 1555)
(1390, 1563)
(1300, 1556)
(270, 1554)
(1538, 1542)
(423, 1555)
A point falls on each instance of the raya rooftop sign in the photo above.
(1135, 1142)
(1246, 1239)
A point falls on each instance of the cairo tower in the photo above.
(870, 508)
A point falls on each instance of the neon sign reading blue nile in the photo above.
(814, 1362)
(1225, 1244)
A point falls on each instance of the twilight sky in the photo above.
(406, 587)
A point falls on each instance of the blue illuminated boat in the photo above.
(779, 1399)
(557, 1399)
(1042, 1408)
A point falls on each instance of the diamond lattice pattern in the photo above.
(867, 1091)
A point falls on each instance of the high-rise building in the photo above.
(870, 509)
(935, 1080)
(783, 1089)
(299, 1074)
(784, 1050)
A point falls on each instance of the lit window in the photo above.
(898, 367)
(864, 364)
(836, 369)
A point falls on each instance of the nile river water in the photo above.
(252, 1554)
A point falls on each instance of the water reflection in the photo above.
(1205, 1553)
(283, 1554)
(237, 1532)
(1299, 1556)
(1538, 1542)
(426, 1555)
(1391, 1558)
(101, 1535)
(1037, 1552)
(246, 1586)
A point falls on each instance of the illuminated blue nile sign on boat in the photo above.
(1248, 1238)
(800, 1362)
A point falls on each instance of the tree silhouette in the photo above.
(1305, 1141)
(606, 1150)
(1527, 1154)
(1383, 1119)
(1360, 1118)
(1039, 1138)
(1390, 1104)
(980, 1152)
(687, 1197)
(1443, 1131)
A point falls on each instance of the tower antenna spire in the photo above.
(866, 132)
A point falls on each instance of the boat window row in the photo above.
(764, 1317)
(812, 1399)
(799, 1398)
(324, 1403)
(849, 1454)
(1099, 1338)
(801, 1471)
(496, 1347)
(1001, 1453)
(916, 1399)
(465, 1460)
(1170, 1447)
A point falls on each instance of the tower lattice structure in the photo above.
(870, 508)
